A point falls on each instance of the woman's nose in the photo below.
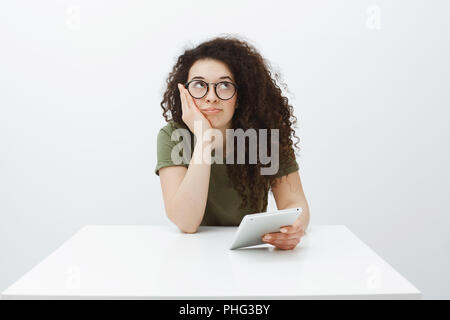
(211, 95)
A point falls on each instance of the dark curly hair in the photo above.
(261, 106)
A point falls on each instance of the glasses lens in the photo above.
(225, 90)
(197, 88)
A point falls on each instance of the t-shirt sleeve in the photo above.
(286, 167)
(165, 158)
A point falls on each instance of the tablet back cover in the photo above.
(254, 226)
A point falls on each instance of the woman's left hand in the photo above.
(287, 240)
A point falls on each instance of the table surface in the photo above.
(161, 262)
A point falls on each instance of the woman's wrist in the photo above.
(202, 152)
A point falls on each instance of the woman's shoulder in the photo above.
(172, 132)
(170, 127)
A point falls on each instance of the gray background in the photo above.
(81, 83)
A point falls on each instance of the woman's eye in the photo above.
(199, 84)
(224, 85)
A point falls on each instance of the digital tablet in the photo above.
(254, 226)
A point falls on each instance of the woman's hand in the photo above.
(286, 240)
(191, 114)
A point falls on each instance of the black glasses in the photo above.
(225, 90)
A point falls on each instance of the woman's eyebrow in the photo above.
(199, 77)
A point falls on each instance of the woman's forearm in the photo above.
(187, 207)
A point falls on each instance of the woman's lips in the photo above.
(211, 110)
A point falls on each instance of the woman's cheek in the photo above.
(231, 113)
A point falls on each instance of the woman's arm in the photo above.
(288, 193)
(185, 190)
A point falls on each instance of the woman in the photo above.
(222, 84)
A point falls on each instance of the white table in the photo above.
(160, 262)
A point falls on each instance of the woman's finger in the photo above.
(184, 102)
(283, 236)
(291, 236)
(282, 239)
(295, 227)
(286, 247)
(286, 243)
(190, 100)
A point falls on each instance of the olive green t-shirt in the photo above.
(222, 206)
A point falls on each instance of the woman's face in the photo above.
(210, 70)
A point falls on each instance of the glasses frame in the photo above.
(186, 85)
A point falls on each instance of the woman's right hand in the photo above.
(191, 113)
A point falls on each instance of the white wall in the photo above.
(81, 83)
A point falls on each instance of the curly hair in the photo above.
(261, 106)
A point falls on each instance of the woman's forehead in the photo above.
(210, 70)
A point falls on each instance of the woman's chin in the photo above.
(215, 123)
